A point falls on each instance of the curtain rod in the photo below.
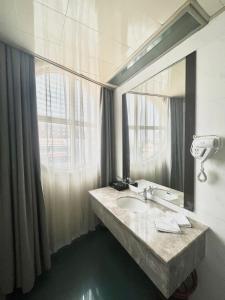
(112, 87)
(71, 71)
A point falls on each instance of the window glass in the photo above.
(68, 113)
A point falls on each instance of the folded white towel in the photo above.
(180, 219)
(167, 224)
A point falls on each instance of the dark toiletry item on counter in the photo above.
(119, 185)
(122, 185)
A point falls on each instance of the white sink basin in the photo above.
(131, 203)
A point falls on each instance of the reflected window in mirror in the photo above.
(151, 138)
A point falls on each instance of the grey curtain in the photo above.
(24, 250)
(125, 137)
(177, 110)
(107, 137)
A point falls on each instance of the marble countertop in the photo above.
(165, 246)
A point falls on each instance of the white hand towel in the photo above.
(167, 224)
(180, 219)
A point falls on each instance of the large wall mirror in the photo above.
(158, 125)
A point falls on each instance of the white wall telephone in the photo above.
(202, 148)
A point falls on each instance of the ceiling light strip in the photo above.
(185, 23)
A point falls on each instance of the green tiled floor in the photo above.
(94, 267)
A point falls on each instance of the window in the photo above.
(68, 114)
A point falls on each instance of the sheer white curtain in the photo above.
(149, 137)
(68, 112)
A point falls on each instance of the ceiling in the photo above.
(170, 82)
(92, 37)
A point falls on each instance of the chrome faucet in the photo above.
(145, 192)
(151, 189)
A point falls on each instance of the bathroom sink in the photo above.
(131, 203)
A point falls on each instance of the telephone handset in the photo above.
(202, 148)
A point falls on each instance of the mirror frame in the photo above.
(190, 96)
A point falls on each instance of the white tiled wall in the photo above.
(210, 119)
(210, 197)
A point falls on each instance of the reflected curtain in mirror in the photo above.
(125, 139)
(177, 110)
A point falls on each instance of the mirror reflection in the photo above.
(154, 130)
